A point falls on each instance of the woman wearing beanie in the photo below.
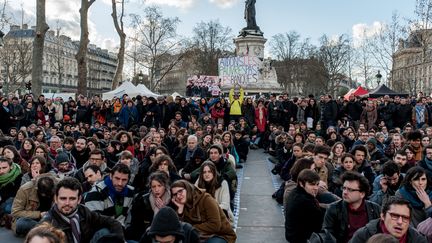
(202, 211)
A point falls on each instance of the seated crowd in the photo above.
(163, 170)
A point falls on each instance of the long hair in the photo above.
(212, 185)
(190, 189)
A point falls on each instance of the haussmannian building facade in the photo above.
(412, 64)
(60, 69)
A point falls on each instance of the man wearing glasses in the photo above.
(386, 184)
(343, 218)
(394, 220)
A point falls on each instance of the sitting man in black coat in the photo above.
(344, 217)
(75, 220)
(303, 215)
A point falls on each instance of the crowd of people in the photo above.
(163, 169)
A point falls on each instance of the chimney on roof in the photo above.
(25, 26)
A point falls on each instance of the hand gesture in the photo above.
(159, 202)
(383, 183)
(179, 205)
(423, 196)
(35, 173)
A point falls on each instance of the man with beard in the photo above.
(77, 222)
(112, 196)
(394, 220)
(32, 202)
(343, 218)
(80, 152)
(386, 184)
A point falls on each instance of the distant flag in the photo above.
(247, 49)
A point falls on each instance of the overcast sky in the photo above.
(311, 18)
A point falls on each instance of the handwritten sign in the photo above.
(243, 70)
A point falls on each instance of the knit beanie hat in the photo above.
(372, 141)
(62, 157)
(166, 222)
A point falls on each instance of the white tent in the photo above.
(126, 88)
(144, 91)
(175, 94)
(64, 96)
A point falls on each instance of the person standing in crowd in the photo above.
(273, 110)
(128, 115)
(236, 101)
(403, 113)
(386, 110)
(420, 113)
(303, 215)
(329, 112)
(394, 220)
(346, 216)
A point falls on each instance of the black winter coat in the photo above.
(303, 216)
(90, 223)
(336, 218)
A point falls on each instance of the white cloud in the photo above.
(224, 3)
(362, 31)
(182, 4)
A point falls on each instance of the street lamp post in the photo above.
(378, 77)
(140, 77)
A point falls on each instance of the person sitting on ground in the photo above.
(386, 184)
(211, 181)
(167, 227)
(344, 217)
(63, 167)
(241, 143)
(32, 202)
(303, 215)
(416, 188)
(45, 233)
(38, 166)
(10, 181)
(127, 158)
(147, 204)
(394, 220)
(112, 196)
(96, 158)
(93, 174)
(77, 222)
(202, 211)
(164, 163)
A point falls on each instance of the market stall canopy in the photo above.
(383, 90)
(360, 91)
(175, 94)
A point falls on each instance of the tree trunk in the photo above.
(120, 31)
(38, 48)
(81, 56)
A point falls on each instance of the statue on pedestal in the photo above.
(249, 15)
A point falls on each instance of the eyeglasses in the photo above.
(178, 192)
(395, 217)
(344, 188)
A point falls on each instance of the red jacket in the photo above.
(217, 113)
(261, 123)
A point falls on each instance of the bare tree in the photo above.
(38, 47)
(364, 64)
(293, 57)
(211, 41)
(81, 56)
(16, 61)
(160, 48)
(334, 55)
(383, 44)
(119, 26)
(4, 16)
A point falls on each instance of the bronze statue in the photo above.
(250, 14)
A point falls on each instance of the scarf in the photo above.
(420, 113)
(113, 194)
(10, 176)
(6, 109)
(411, 196)
(384, 229)
(73, 220)
(166, 198)
(428, 163)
